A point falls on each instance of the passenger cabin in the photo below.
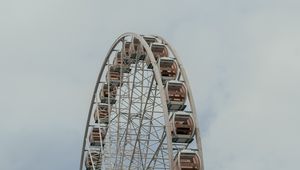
(96, 135)
(101, 114)
(127, 48)
(168, 69)
(159, 51)
(187, 160)
(182, 127)
(149, 39)
(121, 63)
(92, 161)
(138, 51)
(176, 95)
(108, 94)
(128, 51)
(114, 76)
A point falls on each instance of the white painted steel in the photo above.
(151, 156)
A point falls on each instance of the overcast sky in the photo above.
(242, 60)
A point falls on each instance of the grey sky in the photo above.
(242, 58)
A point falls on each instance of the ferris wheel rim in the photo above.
(190, 95)
(157, 76)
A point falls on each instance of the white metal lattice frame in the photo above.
(155, 88)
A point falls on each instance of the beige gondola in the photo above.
(127, 49)
(108, 94)
(138, 52)
(96, 135)
(168, 69)
(187, 160)
(176, 95)
(159, 51)
(121, 63)
(101, 114)
(182, 127)
(128, 52)
(149, 39)
(93, 160)
(114, 76)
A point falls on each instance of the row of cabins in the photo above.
(182, 123)
(97, 136)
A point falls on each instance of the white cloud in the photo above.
(242, 59)
(256, 126)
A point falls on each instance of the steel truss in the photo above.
(138, 134)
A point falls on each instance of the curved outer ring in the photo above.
(190, 96)
(161, 90)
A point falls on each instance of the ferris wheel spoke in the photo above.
(144, 113)
(140, 125)
(129, 115)
(156, 151)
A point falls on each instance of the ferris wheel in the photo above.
(142, 114)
